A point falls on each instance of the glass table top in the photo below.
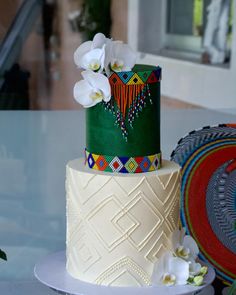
(34, 150)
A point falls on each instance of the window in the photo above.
(186, 22)
(185, 17)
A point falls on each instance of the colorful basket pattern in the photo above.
(208, 194)
(123, 164)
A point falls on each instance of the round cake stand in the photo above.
(51, 271)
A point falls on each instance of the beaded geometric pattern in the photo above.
(222, 186)
(123, 164)
(132, 78)
(208, 193)
(129, 95)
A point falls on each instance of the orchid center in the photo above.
(182, 252)
(168, 279)
(97, 95)
(117, 65)
(94, 65)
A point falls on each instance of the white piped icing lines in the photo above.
(118, 226)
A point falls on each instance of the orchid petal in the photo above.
(110, 45)
(93, 55)
(82, 92)
(99, 40)
(108, 57)
(98, 81)
(117, 50)
(158, 270)
(177, 238)
(182, 235)
(156, 275)
(180, 269)
(194, 268)
(81, 51)
(102, 83)
(173, 266)
(125, 53)
(190, 243)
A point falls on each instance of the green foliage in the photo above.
(3, 255)
(232, 290)
(197, 17)
(95, 17)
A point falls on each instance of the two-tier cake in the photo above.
(122, 199)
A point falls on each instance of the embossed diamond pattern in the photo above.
(104, 228)
(117, 215)
(161, 245)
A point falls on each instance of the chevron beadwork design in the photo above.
(130, 93)
(118, 226)
(135, 78)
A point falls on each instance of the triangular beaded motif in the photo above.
(125, 76)
(124, 95)
(114, 79)
(145, 75)
(135, 79)
(127, 102)
(152, 78)
(130, 91)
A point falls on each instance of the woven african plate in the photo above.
(208, 194)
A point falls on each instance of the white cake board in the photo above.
(51, 271)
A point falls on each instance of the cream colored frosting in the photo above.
(118, 225)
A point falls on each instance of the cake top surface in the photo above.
(143, 68)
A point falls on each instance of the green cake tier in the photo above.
(129, 125)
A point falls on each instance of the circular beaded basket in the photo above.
(208, 194)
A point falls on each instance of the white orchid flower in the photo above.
(93, 89)
(119, 57)
(194, 268)
(90, 55)
(184, 246)
(169, 271)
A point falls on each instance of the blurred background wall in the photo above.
(40, 36)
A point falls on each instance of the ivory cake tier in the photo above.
(119, 224)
